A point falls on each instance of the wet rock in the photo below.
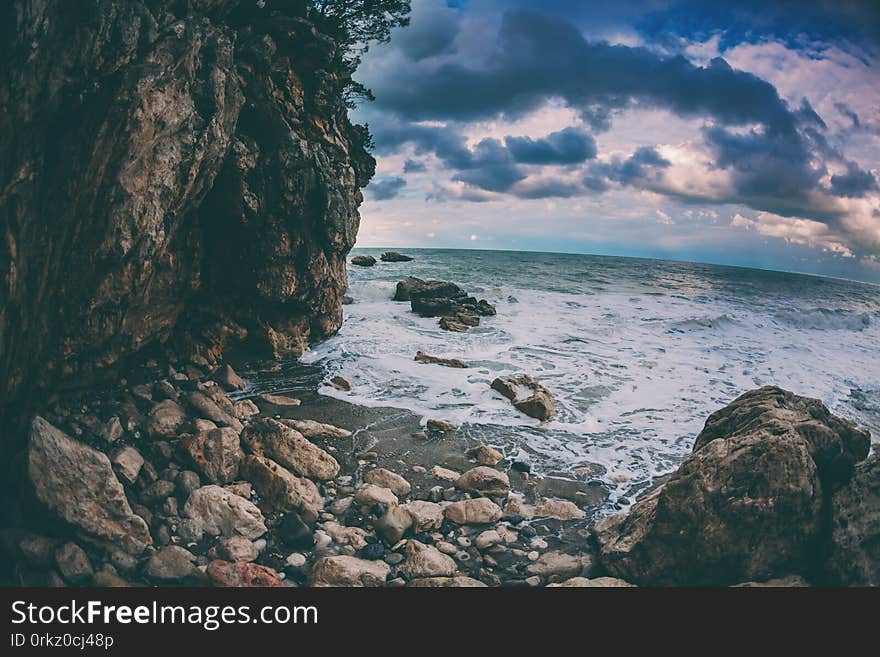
(448, 324)
(279, 400)
(439, 426)
(596, 582)
(444, 474)
(341, 383)
(559, 509)
(527, 395)
(387, 479)
(281, 488)
(77, 482)
(171, 564)
(166, 419)
(394, 256)
(370, 494)
(426, 289)
(73, 563)
(855, 538)
(393, 524)
(128, 463)
(235, 548)
(422, 357)
(425, 515)
(295, 533)
(426, 561)
(348, 571)
(559, 565)
(311, 429)
(460, 581)
(227, 377)
(244, 409)
(289, 448)
(216, 511)
(241, 574)
(485, 455)
(363, 261)
(484, 480)
(480, 511)
(208, 408)
(216, 454)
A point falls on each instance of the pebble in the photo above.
(538, 543)
(446, 547)
(322, 539)
(533, 556)
(463, 541)
(295, 560)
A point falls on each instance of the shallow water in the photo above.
(636, 352)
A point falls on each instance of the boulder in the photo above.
(394, 256)
(439, 426)
(422, 357)
(281, 488)
(77, 483)
(295, 533)
(128, 463)
(484, 480)
(344, 571)
(426, 561)
(165, 419)
(289, 448)
(244, 409)
(216, 454)
(209, 408)
(227, 377)
(426, 516)
(747, 507)
(393, 524)
(370, 494)
(426, 289)
(311, 429)
(854, 559)
(171, 563)
(73, 563)
(387, 479)
(526, 395)
(363, 261)
(485, 455)
(241, 574)
(217, 511)
(480, 511)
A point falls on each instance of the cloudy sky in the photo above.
(743, 133)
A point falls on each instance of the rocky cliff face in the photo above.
(168, 169)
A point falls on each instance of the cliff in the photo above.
(169, 170)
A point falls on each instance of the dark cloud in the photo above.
(854, 183)
(490, 166)
(387, 188)
(547, 188)
(568, 146)
(414, 166)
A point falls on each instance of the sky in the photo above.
(743, 133)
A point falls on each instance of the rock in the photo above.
(439, 426)
(112, 431)
(363, 261)
(480, 511)
(227, 378)
(186, 482)
(171, 564)
(792, 581)
(244, 409)
(216, 511)
(597, 582)
(236, 548)
(426, 289)
(216, 454)
(854, 559)
(484, 480)
(394, 524)
(448, 324)
(444, 474)
(349, 571)
(279, 400)
(394, 256)
(426, 561)
(108, 579)
(289, 448)
(241, 574)
(485, 455)
(295, 560)
(370, 494)
(77, 483)
(128, 463)
(281, 488)
(447, 582)
(157, 491)
(201, 425)
(747, 507)
(311, 429)
(165, 419)
(372, 552)
(387, 479)
(422, 357)
(559, 509)
(342, 535)
(487, 539)
(341, 383)
(208, 408)
(527, 395)
(73, 563)
(295, 533)
(425, 515)
(559, 565)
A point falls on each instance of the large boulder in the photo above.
(290, 448)
(854, 559)
(744, 506)
(394, 256)
(77, 483)
(216, 454)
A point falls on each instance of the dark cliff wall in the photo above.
(167, 169)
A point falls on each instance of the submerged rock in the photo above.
(279, 400)
(363, 261)
(394, 256)
(527, 395)
(422, 357)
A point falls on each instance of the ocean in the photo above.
(637, 353)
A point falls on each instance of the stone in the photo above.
(216, 511)
(444, 474)
(485, 455)
(425, 515)
(201, 425)
(245, 409)
(422, 357)
(363, 261)
(791, 581)
(311, 429)
(372, 552)
(342, 535)
(347, 571)
(559, 565)
(74, 564)
(112, 431)
(341, 383)
(527, 395)
(596, 582)
(281, 488)
(171, 564)
(747, 507)
(208, 408)
(484, 480)
(216, 454)
(426, 561)
(290, 449)
(236, 548)
(295, 533)
(295, 560)
(128, 463)
(157, 491)
(559, 509)
(186, 482)
(411, 284)
(480, 511)
(854, 559)
(449, 324)
(227, 377)
(387, 479)
(439, 426)
(166, 419)
(109, 579)
(77, 483)
(241, 574)
(279, 400)
(459, 581)
(487, 539)
(394, 256)
(370, 494)
(394, 524)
